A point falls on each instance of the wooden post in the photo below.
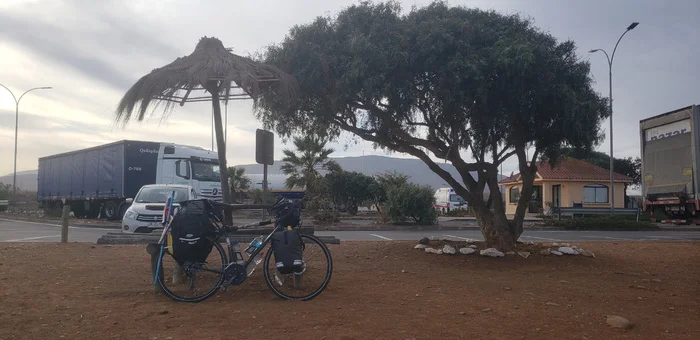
(65, 214)
(153, 249)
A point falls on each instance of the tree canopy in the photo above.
(469, 86)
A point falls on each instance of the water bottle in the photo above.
(254, 245)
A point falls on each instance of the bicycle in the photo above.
(231, 269)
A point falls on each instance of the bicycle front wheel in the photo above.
(308, 284)
(193, 281)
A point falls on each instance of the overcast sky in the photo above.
(91, 52)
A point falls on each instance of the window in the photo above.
(514, 194)
(206, 171)
(595, 193)
(160, 194)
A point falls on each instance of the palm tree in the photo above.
(238, 181)
(218, 75)
(303, 167)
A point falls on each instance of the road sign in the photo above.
(264, 147)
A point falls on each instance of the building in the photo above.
(571, 183)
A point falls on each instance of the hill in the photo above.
(26, 180)
(415, 169)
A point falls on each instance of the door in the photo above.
(556, 196)
(536, 200)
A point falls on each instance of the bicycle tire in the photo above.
(204, 296)
(315, 293)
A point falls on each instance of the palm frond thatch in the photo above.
(210, 72)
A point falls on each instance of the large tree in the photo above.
(468, 86)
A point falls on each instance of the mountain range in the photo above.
(415, 169)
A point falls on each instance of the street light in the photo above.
(610, 62)
(14, 174)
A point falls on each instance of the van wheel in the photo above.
(111, 210)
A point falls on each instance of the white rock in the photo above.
(510, 253)
(568, 250)
(439, 252)
(429, 250)
(558, 253)
(555, 244)
(473, 246)
(586, 253)
(617, 321)
(467, 251)
(492, 252)
(443, 238)
(471, 240)
(420, 246)
(448, 249)
(545, 251)
(433, 238)
(524, 254)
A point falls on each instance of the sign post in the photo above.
(265, 155)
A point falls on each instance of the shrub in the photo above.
(603, 223)
(411, 202)
(459, 213)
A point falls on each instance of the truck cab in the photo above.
(189, 165)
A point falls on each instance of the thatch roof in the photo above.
(210, 67)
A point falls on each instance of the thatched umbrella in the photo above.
(210, 73)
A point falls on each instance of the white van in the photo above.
(446, 199)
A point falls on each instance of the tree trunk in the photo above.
(495, 228)
(221, 148)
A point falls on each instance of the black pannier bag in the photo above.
(189, 230)
(287, 246)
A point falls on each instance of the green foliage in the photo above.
(350, 190)
(411, 202)
(458, 213)
(257, 196)
(238, 181)
(604, 223)
(303, 166)
(5, 190)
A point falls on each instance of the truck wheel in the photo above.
(111, 210)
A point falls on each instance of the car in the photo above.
(146, 211)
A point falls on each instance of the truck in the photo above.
(101, 181)
(670, 145)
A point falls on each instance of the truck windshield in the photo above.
(160, 195)
(205, 171)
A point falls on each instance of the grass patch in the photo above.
(617, 222)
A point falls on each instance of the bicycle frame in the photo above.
(231, 254)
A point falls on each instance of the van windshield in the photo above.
(205, 171)
(160, 195)
(456, 198)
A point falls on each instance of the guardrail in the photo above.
(574, 212)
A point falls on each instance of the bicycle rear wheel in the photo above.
(193, 281)
(311, 282)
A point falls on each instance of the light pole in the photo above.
(17, 100)
(610, 63)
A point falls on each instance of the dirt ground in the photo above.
(379, 290)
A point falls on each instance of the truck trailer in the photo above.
(97, 181)
(670, 145)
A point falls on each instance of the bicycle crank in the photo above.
(235, 275)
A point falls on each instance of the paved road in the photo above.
(15, 231)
